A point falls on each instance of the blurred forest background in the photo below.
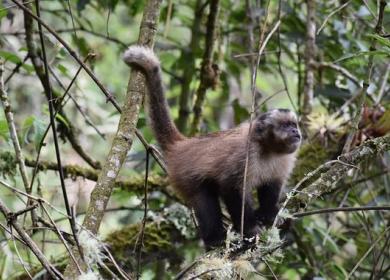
(64, 85)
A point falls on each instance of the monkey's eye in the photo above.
(288, 124)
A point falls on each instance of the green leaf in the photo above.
(63, 69)
(40, 127)
(383, 41)
(3, 11)
(10, 57)
(28, 67)
(27, 128)
(62, 120)
(240, 113)
(4, 129)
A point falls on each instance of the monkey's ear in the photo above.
(262, 117)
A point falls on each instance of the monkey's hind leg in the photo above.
(209, 216)
(268, 195)
(233, 202)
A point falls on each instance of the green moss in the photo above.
(159, 242)
(310, 156)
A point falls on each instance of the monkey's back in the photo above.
(211, 157)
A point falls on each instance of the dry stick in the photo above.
(142, 233)
(60, 236)
(331, 14)
(262, 45)
(71, 16)
(18, 254)
(310, 52)
(10, 233)
(207, 73)
(54, 130)
(30, 243)
(16, 69)
(270, 269)
(38, 199)
(108, 95)
(341, 209)
(382, 88)
(119, 269)
(341, 70)
(14, 137)
(12, 131)
(278, 55)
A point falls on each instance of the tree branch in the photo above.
(123, 139)
(310, 52)
(209, 73)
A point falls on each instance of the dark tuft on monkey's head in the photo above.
(277, 131)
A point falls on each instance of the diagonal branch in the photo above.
(30, 243)
(123, 139)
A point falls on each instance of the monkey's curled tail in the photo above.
(144, 59)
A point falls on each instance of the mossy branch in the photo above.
(124, 137)
(327, 180)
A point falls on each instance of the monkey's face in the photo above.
(277, 131)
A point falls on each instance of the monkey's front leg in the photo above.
(268, 195)
(233, 202)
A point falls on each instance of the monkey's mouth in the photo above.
(295, 138)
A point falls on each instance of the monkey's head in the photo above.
(277, 131)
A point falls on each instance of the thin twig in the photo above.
(382, 88)
(341, 209)
(12, 130)
(341, 70)
(331, 14)
(204, 273)
(279, 55)
(54, 130)
(30, 243)
(16, 69)
(270, 269)
(142, 233)
(262, 44)
(61, 237)
(18, 255)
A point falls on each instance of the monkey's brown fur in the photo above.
(202, 169)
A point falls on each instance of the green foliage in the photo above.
(7, 164)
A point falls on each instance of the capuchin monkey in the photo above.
(206, 168)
